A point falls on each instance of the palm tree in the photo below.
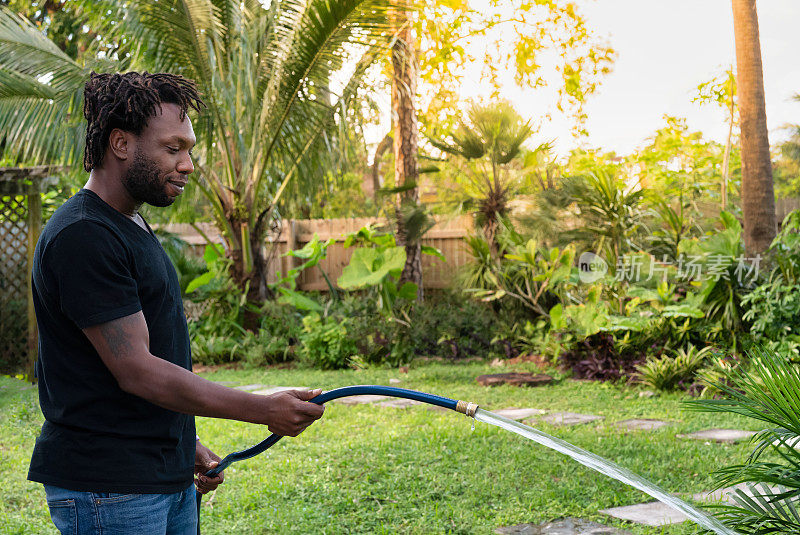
(490, 136)
(405, 141)
(758, 198)
(264, 72)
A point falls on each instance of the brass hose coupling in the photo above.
(467, 407)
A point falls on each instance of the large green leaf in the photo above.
(369, 267)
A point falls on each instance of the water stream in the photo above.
(605, 467)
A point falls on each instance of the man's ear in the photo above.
(120, 144)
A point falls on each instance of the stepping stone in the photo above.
(659, 514)
(399, 403)
(275, 389)
(725, 495)
(792, 443)
(513, 413)
(566, 526)
(570, 418)
(728, 436)
(641, 424)
(394, 381)
(648, 514)
(514, 378)
(360, 400)
(248, 388)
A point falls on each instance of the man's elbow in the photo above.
(139, 377)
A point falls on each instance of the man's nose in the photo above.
(185, 166)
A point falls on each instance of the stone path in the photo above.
(566, 526)
(641, 424)
(728, 436)
(648, 514)
(658, 514)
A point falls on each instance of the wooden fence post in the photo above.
(34, 229)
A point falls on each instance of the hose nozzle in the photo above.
(467, 407)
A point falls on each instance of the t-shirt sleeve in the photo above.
(90, 273)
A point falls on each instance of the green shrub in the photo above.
(450, 326)
(773, 309)
(324, 342)
(218, 339)
(669, 373)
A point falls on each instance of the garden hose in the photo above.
(464, 407)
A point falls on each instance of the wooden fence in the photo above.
(447, 236)
(784, 206)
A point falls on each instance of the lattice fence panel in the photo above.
(13, 281)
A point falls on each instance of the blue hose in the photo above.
(346, 391)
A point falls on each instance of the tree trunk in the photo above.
(253, 283)
(383, 146)
(404, 115)
(758, 199)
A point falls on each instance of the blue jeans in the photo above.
(110, 513)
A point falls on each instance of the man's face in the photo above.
(162, 158)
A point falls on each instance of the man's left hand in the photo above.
(205, 460)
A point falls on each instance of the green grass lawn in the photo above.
(367, 469)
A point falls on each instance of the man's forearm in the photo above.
(175, 388)
(123, 345)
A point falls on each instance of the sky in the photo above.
(665, 49)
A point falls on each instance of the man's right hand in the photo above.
(289, 412)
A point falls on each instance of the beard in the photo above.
(143, 182)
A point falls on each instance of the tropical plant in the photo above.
(766, 391)
(487, 139)
(675, 223)
(773, 311)
(724, 274)
(324, 342)
(479, 272)
(286, 285)
(670, 372)
(609, 214)
(785, 249)
(597, 358)
(721, 90)
(187, 265)
(535, 277)
(265, 75)
(379, 268)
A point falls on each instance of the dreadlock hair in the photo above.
(126, 101)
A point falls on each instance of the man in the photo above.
(118, 448)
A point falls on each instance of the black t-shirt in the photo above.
(93, 265)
